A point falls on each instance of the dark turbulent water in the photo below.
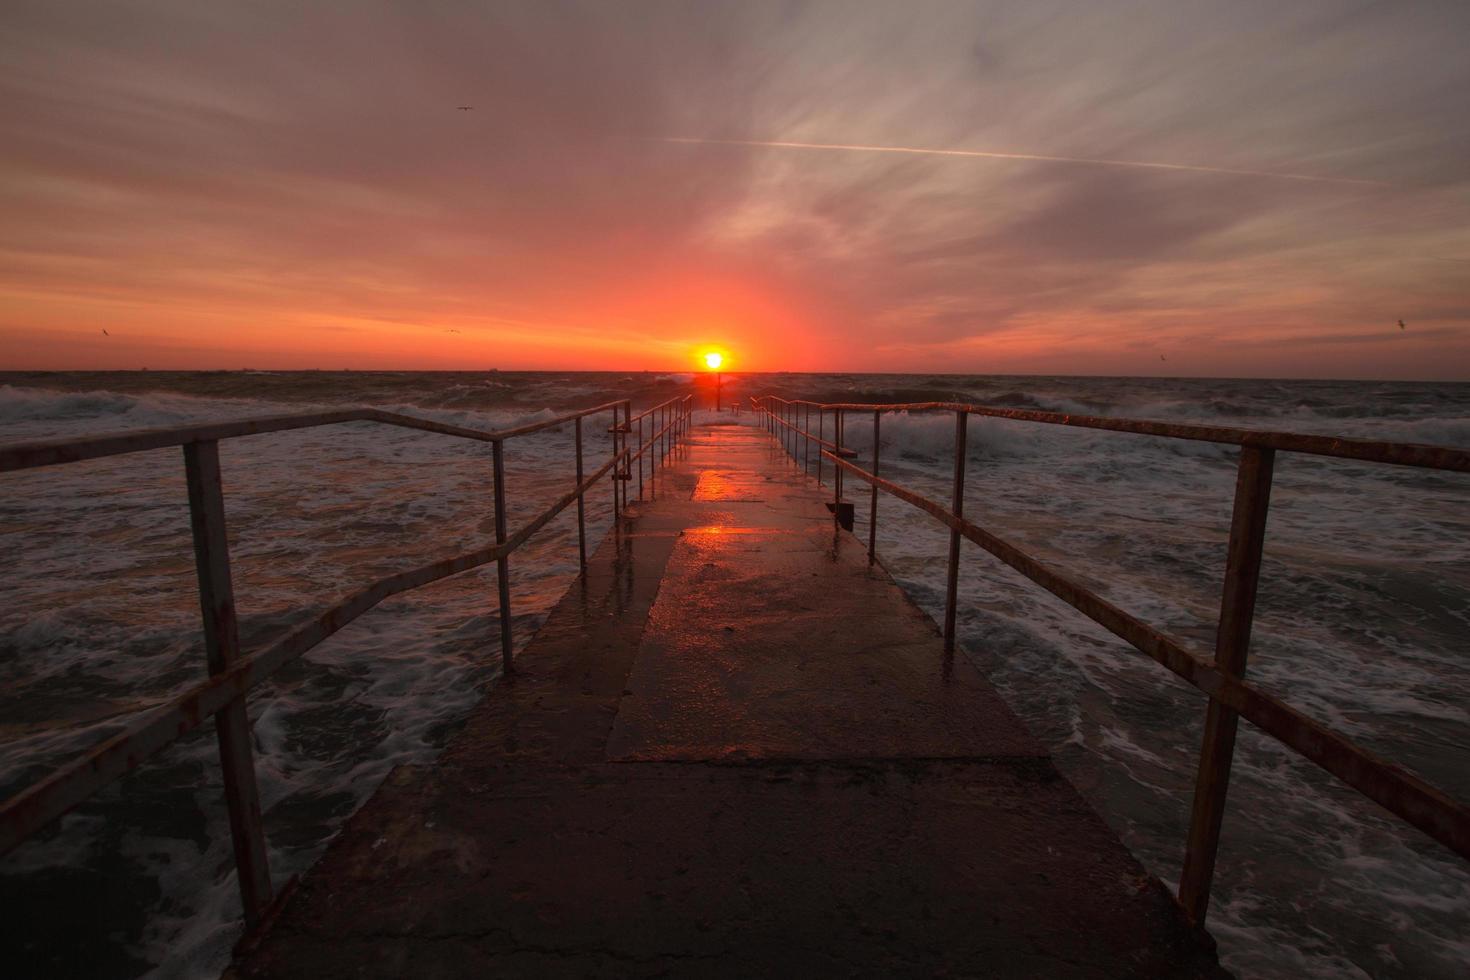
(1364, 612)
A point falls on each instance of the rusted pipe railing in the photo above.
(1232, 642)
(581, 503)
(502, 563)
(233, 674)
(957, 508)
(1221, 678)
(222, 650)
(671, 417)
(873, 504)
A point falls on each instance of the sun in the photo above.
(713, 360)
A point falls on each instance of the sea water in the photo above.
(1361, 623)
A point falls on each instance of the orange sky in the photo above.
(284, 188)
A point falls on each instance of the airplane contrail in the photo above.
(991, 155)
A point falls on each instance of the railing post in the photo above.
(502, 564)
(873, 506)
(624, 470)
(806, 443)
(957, 507)
(640, 457)
(617, 500)
(222, 648)
(821, 434)
(581, 503)
(1232, 644)
(837, 470)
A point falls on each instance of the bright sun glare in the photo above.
(713, 360)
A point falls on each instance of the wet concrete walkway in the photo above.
(733, 750)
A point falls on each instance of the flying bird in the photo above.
(1401, 325)
(105, 333)
(1162, 357)
(465, 108)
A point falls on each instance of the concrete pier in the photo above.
(733, 750)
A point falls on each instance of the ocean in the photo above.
(1362, 623)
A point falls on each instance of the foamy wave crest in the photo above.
(483, 420)
(108, 408)
(1209, 409)
(34, 404)
(1438, 432)
(40, 413)
(1028, 401)
(929, 436)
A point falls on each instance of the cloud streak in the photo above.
(1033, 157)
(278, 184)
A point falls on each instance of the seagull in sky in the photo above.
(465, 108)
(1401, 325)
(105, 333)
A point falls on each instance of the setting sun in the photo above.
(713, 360)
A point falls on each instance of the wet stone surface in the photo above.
(733, 750)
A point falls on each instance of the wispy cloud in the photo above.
(1036, 157)
(1047, 186)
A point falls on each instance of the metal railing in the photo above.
(233, 673)
(1220, 677)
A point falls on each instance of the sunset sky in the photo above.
(1242, 188)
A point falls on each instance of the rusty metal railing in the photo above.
(233, 673)
(1220, 677)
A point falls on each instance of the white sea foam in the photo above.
(1364, 599)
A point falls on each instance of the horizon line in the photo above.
(699, 372)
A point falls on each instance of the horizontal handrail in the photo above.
(660, 406)
(1400, 792)
(233, 673)
(675, 420)
(1396, 790)
(22, 456)
(651, 442)
(815, 440)
(48, 798)
(1366, 450)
